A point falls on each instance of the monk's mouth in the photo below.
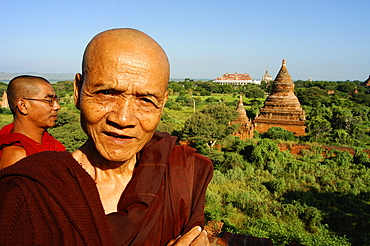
(110, 134)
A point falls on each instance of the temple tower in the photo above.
(4, 101)
(246, 126)
(282, 108)
(266, 77)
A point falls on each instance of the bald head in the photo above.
(126, 45)
(23, 86)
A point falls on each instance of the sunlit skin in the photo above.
(39, 113)
(121, 106)
(121, 95)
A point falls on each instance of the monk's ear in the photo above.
(77, 85)
(165, 98)
(22, 107)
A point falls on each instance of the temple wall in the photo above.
(298, 130)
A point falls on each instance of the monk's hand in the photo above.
(195, 237)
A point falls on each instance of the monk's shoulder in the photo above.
(10, 155)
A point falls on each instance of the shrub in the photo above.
(279, 133)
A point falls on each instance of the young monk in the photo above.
(34, 106)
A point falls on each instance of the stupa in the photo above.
(282, 108)
(246, 126)
(266, 77)
(4, 100)
(366, 82)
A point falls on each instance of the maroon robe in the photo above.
(49, 199)
(30, 146)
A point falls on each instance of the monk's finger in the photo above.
(189, 237)
(173, 241)
(201, 240)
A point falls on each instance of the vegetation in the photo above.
(209, 125)
(317, 197)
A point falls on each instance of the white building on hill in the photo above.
(236, 79)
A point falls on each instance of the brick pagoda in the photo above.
(246, 126)
(282, 108)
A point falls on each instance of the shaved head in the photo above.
(123, 44)
(122, 89)
(23, 86)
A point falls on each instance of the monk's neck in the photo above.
(111, 178)
(100, 168)
(29, 130)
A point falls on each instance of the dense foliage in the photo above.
(317, 197)
(209, 125)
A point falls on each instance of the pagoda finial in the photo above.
(240, 103)
(283, 75)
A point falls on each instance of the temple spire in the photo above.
(282, 107)
(283, 76)
(245, 124)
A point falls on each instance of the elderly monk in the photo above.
(127, 185)
(34, 106)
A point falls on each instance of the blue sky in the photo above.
(321, 39)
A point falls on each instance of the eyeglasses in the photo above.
(50, 101)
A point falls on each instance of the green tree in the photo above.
(265, 153)
(361, 98)
(63, 87)
(209, 125)
(255, 92)
(208, 86)
(319, 129)
(68, 130)
(312, 96)
(175, 86)
(361, 134)
(342, 118)
(341, 136)
(184, 100)
(347, 87)
(279, 133)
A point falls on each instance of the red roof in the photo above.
(235, 76)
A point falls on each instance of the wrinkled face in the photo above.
(121, 102)
(40, 112)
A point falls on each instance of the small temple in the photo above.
(266, 77)
(4, 101)
(246, 127)
(282, 108)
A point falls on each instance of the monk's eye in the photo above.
(149, 102)
(105, 92)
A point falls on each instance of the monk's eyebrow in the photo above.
(146, 94)
(50, 95)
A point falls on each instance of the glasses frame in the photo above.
(50, 101)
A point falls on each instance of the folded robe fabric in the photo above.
(31, 146)
(49, 199)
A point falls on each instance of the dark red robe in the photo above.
(49, 199)
(31, 146)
